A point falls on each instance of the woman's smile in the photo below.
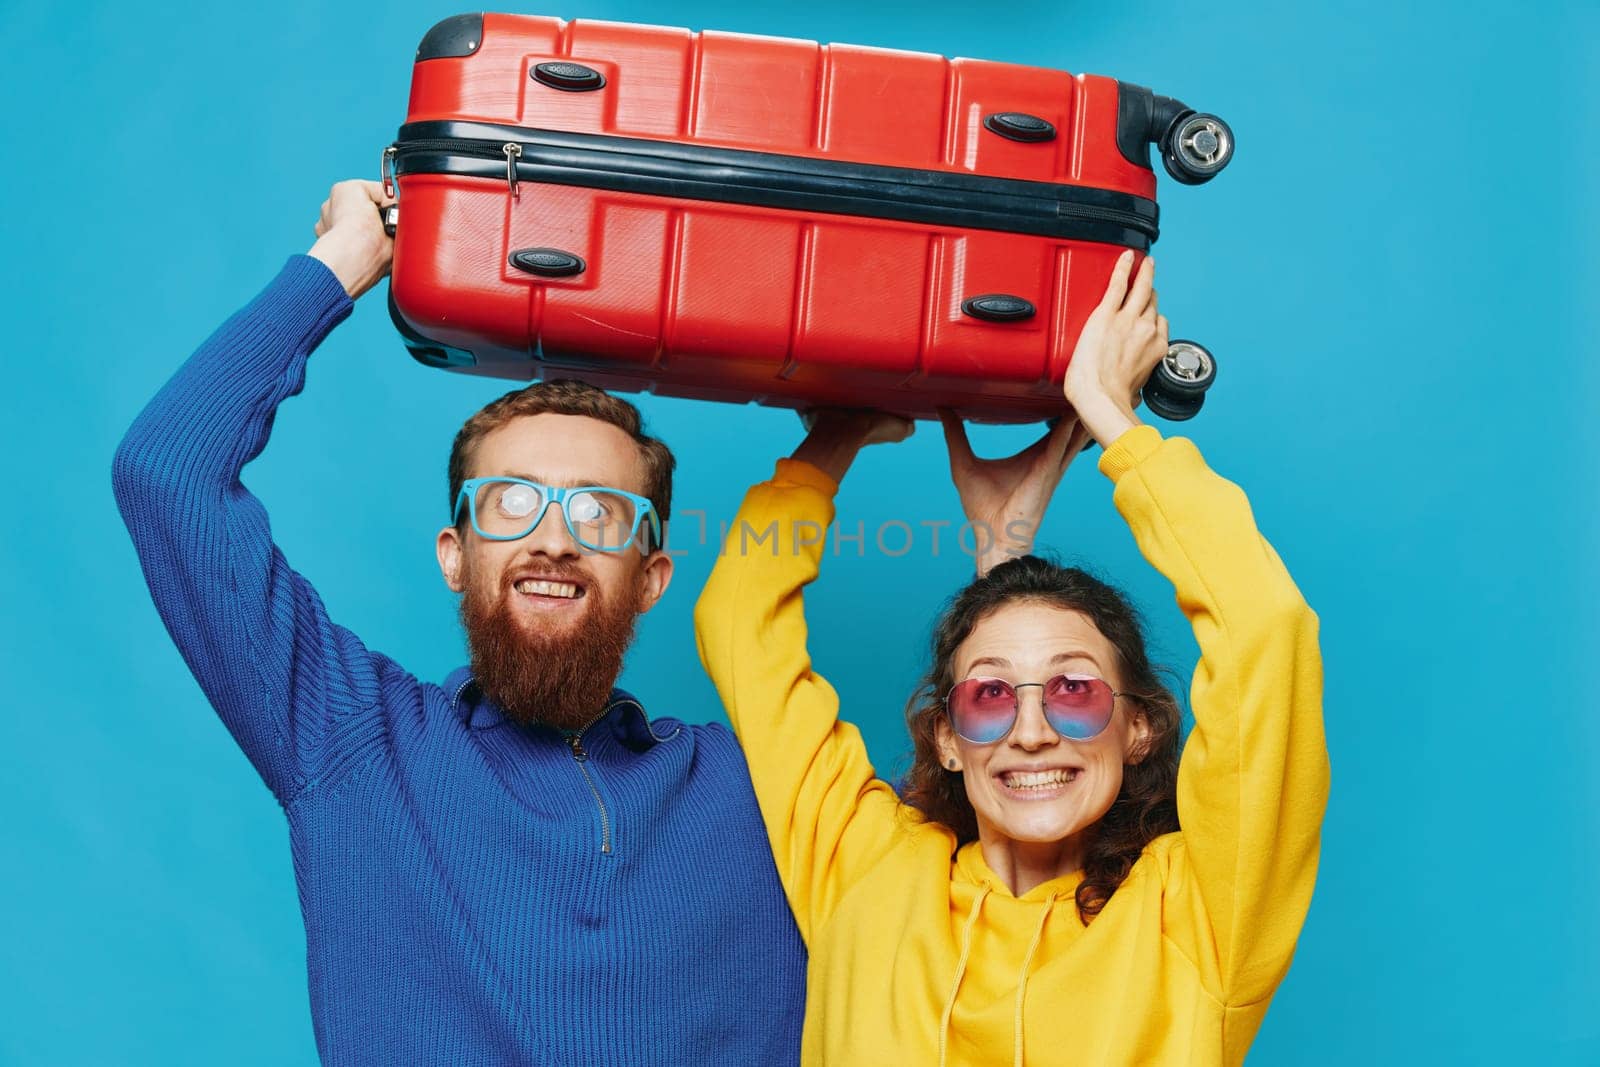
(1032, 784)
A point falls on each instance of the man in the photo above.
(518, 866)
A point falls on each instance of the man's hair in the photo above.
(564, 396)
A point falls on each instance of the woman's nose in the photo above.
(1033, 730)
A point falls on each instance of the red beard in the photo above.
(561, 678)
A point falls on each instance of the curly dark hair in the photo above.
(1145, 808)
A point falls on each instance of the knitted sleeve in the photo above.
(253, 632)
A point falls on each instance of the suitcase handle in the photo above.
(998, 307)
(547, 262)
(1016, 126)
(567, 76)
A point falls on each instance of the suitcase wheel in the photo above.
(1197, 148)
(1177, 387)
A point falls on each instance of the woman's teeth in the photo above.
(536, 587)
(1038, 779)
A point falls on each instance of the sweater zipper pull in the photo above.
(575, 742)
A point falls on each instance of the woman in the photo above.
(1032, 898)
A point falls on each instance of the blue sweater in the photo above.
(474, 891)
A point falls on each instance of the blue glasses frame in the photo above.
(559, 495)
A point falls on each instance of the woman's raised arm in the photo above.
(827, 813)
(1253, 782)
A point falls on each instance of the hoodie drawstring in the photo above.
(961, 969)
(1022, 979)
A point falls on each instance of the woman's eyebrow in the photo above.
(1060, 657)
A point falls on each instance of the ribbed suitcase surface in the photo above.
(745, 218)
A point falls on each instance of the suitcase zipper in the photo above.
(765, 179)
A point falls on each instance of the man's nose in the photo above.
(550, 536)
(1032, 730)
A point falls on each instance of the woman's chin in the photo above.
(1039, 827)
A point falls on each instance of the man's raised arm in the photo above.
(254, 632)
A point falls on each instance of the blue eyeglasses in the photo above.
(598, 517)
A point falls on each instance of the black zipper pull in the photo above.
(576, 744)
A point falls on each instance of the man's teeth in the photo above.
(535, 586)
(1038, 779)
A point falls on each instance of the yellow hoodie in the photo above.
(919, 952)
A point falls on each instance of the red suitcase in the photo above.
(744, 218)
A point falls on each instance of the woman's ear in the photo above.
(944, 741)
(1138, 745)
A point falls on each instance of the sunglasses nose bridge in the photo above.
(1031, 729)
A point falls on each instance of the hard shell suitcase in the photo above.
(744, 218)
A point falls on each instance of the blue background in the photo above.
(1396, 275)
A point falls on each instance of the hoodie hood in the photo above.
(972, 868)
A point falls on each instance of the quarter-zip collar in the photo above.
(623, 721)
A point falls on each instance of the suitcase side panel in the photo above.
(860, 308)
(959, 349)
(738, 297)
(755, 92)
(722, 301)
(448, 279)
(613, 310)
(845, 102)
(1095, 159)
(688, 295)
(486, 84)
(733, 289)
(978, 89)
(653, 71)
(889, 108)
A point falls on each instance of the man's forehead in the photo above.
(561, 450)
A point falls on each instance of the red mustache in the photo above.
(552, 571)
